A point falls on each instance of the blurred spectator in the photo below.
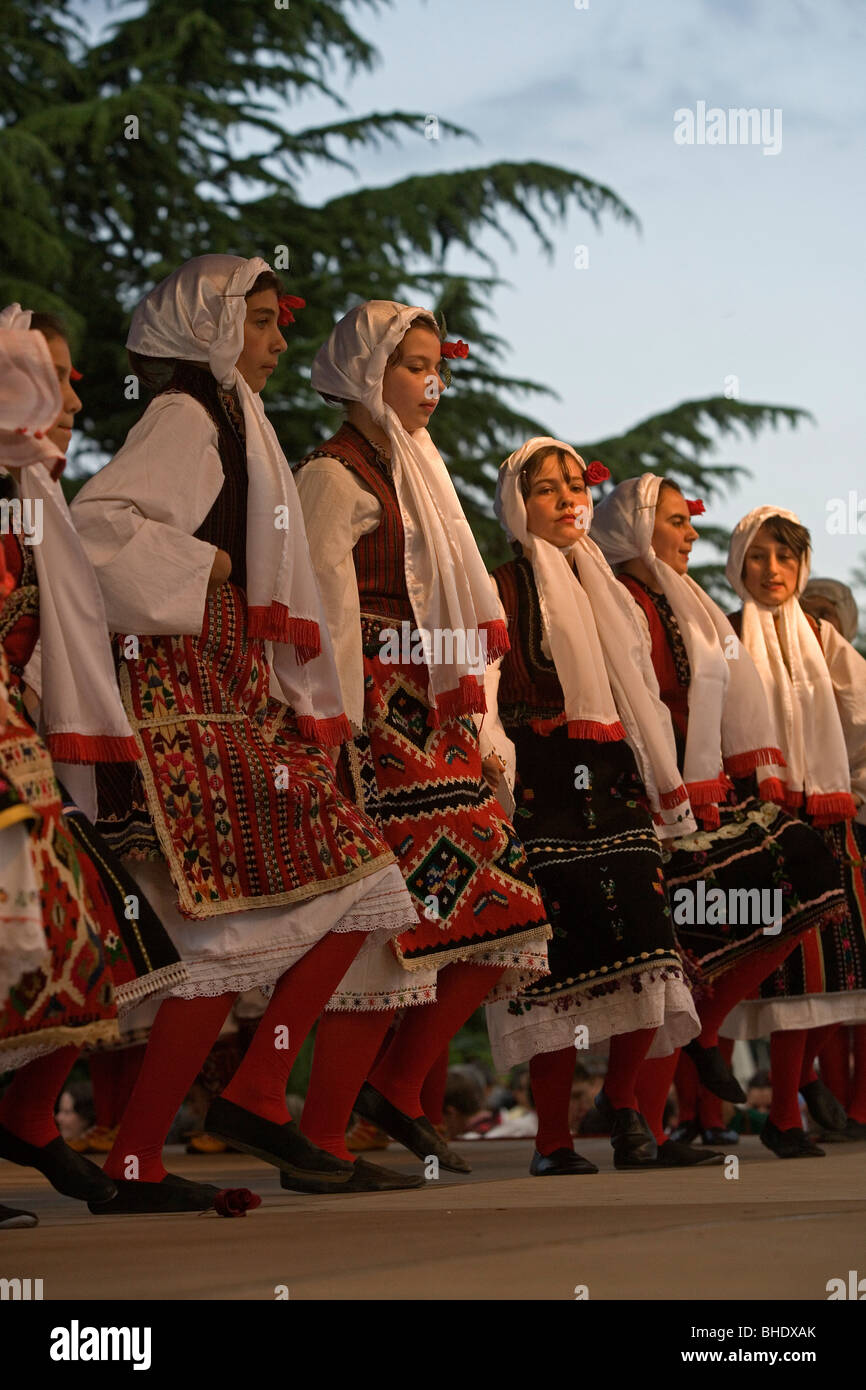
(74, 1114)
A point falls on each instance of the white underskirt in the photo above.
(666, 1005)
(237, 951)
(757, 1018)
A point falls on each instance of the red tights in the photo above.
(737, 984)
(551, 1075)
(27, 1108)
(792, 1057)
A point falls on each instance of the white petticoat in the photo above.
(757, 1018)
(550, 1025)
(244, 950)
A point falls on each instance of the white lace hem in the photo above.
(757, 1018)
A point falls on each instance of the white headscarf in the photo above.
(730, 730)
(82, 717)
(800, 691)
(447, 582)
(197, 314)
(598, 649)
(842, 600)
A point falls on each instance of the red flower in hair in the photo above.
(287, 303)
(695, 506)
(596, 473)
(458, 349)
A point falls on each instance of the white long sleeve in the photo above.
(137, 518)
(338, 509)
(848, 673)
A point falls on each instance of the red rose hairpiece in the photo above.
(695, 506)
(74, 375)
(596, 473)
(287, 303)
(458, 349)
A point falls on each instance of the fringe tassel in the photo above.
(793, 800)
(827, 808)
(670, 800)
(703, 793)
(468, 698)
(92, 748)
(741, 764)
(498, 644)
(579, 728)
(325, 732)
(709, 816)
(771, 789)
(275, 624)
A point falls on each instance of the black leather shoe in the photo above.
(67, 1171)
(559, 1163)
(686, 1133)
(717, 1136)
(364, 1177)
(789, 1143)
(284, 1146)
(172, 1194)
(12, 1219)
(823, 1106)
(630, 1135)
(854, 1130)
(714, 1072)
(674, 1155)
(417, 1135)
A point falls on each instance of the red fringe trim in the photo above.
(497, 638)
(580, 728)
(741, 764)
(275, 624)
(771, 789)
(793, 800)
(709, 816)
(468, 698)
(325, 732)
(703, 793)
(670, 800)
(828, 808)
(92, 748)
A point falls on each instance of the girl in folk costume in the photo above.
(413, 619)
(816, 686)
(264, 873)
(581, 723)
(747, 846)
(65, 992)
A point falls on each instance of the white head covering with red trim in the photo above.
(794, 673)
(730, 730)
(599, 651)
(197, 314)
(82, 717)
(446, 578)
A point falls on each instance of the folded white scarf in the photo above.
(597, 646)
(730, 730)
(82, 717)
(446, 579)
(197, 314)
(799, 689)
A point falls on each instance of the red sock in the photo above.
(132, 1059)
(106, 1069)
(654, 1081)
(346, 1045)
(424, 1032)
(433, 1090)
(626, 1057)
(27, 1109)
(550, 1075)
(786, 1064)
(687, 1088)
(183, 1033)
(816, 1038)
(710, 1113)
(857, 1101)
(259, 1084)
(834, 1061)
(736, 984)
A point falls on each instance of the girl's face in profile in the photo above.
(412, 384)
(770, 570)
(557, 508)
(673, 534)
(263, 341)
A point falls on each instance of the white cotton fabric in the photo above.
(82, 717)
(843, 601)
(729, 722)
(597, 646)
(23, 946)
(445, 576)
(799, 690)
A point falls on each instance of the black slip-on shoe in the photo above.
(560, 1163)
(68, 1172)
(715, 1073)
(672, 1154)
(630, 1136)
(789, 1143)
(686, 1133)
(283, 1146)
(12, 1219)
(716, 1136)
(823, 1106)
(854, 1130)
(417, 1135)
(364, 1177)
(172, 1194)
